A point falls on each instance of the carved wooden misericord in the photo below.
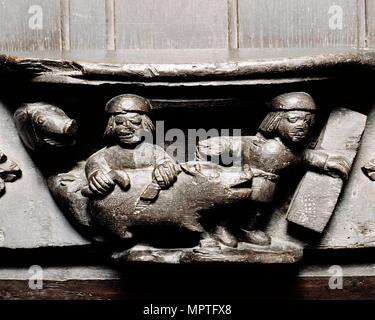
(293, 173)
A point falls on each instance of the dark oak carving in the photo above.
(133, 188)
(134, 191)
(9, 171)
(42, 125)
(279, 145)
(312, 205)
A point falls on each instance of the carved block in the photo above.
(316, 196)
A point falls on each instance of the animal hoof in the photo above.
(223, 235)
(3, 157)
(257, 237)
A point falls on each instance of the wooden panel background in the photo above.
(370, 23)
(148, 24)
(87, 24)
(20, 31)
(164, 24)
(298, 23)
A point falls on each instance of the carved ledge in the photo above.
(278, 252)
(186, 67)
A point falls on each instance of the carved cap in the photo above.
(293, 101)
(128, 103)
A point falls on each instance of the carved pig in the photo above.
(43, 125)
(200, 187)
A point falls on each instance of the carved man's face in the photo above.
(128, 128)
(295, 126)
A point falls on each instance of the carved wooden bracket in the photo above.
(170, 209)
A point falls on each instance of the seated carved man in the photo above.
(279, 144)
(126, 131)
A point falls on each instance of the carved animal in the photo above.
(200, 187)
(41, 125)
(9, 171)
(369, 169)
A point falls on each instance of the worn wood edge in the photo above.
(230, 68)
(300, 288)
(101, 272)
(63, 290)
(62, 273)
(63, 79)
(103, 282)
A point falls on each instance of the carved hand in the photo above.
(101, 183)
(337, 165)
(165, 174)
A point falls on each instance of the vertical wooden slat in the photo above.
(110, 24)
(65, 24)
(370, 23)
(362, 27)
(233, 24)
(156, 24)
(87, 24)
(29, 25)
(297, 23)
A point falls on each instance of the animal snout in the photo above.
(71, 127)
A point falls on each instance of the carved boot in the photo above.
(223, 235)
(257, 237)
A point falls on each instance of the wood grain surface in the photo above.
(166, 24)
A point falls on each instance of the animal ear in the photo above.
(195, 168)
(22, 120)
(191, 168)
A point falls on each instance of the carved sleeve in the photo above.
(161, 156)
(97, 162)
(315, 158)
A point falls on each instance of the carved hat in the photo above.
(293, 101)
(128, 103)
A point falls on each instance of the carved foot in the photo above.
(209, 250)
(257, 237)
(148, 254)
(223, 235)
(279, 252)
